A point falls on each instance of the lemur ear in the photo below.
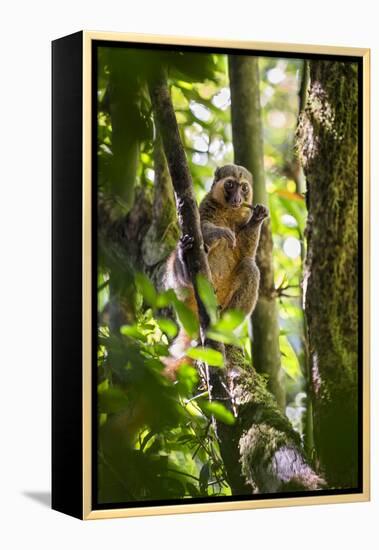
(217, 174)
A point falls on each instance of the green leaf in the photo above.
(161, 350)
(102, 419)
(187, 377)
(166, 299)
(103, 386)
(146, 288)
(218, 410)
(224, 337)
(168, 327)
(147, 438)
(192, 67)
(210, 356)
(132, 331)
(208, 297)
(113, 400)
(187, 318)
(229, 321)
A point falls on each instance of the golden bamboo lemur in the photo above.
(231, 232)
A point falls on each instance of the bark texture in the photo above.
(248, 151)
(328, 145)
(261, 451)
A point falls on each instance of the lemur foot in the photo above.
(179, 203)
(185, 244)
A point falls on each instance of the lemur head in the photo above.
(232, 186)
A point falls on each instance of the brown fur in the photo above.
(231, 236)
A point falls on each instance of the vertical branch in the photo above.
(248, 151)
(304, 85)
(296, 171)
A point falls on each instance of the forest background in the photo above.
(278, 117)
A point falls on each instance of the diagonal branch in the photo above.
(189, 218)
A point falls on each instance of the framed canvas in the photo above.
(210, 275)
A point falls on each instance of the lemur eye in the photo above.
(245, 187)
(229, 184)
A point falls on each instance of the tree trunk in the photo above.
(261, 451)
(248, 151)
(271, 459)
(328, 145)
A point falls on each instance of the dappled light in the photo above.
(291, 247)
(221, 99)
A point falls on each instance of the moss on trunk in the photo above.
(328, 145)
(269, 451)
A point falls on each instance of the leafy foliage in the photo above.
(168, 426)
(156, 437)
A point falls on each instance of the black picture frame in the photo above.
(74, 291)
